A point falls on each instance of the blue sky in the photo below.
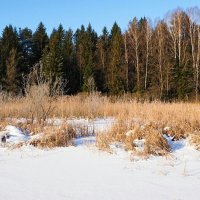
(73, 13)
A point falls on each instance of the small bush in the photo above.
(154, 141)
(103, 142)
(195, 139)
(53, 137)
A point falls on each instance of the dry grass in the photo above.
(48, 136)
(103, 142)
(55, 137)
(155, 143)
(195, 140)
(167, 114)
(183, 118)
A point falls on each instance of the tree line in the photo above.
(153, 60)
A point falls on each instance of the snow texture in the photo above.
(82, 172)
(13, 134)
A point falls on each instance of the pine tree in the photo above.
(9, 41)
(26, 51)
(102, 59)
(116, 70)
(40, 41)
(71, 72)
(89, 57)
(52, 59)
(79, 52)
(1, 67)
(11, 72)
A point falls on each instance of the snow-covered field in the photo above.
(82, 172)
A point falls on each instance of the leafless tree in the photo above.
(126, 60)
(160, 38)
(174, 21)
(134, 34)
(194, 32)
(148, 36)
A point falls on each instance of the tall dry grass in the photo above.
(91, 106)
(183, 118)
(127, 134)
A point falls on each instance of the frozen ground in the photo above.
(82, 172)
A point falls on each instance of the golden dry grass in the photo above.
(55, 137)
(188, 114)
(48, 136)
(195, 140)
(183, 118)
(154, 141)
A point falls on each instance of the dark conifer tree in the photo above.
(52, 59)
(89, 58)
(116, 71)
(9, 44)
(11, 79)
(79, 38)
(40, 41)
(71, 72)
(26, 51)
(102, 59)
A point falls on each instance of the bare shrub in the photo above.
(40, 95)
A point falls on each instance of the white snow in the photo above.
(130, 132)
(167, 128)
(14, 134)
(93, 126)
(82, 172)
(139, 144)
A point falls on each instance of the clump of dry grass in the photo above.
(195, 140)
(155, 143)
(176, 132)
(103, 142)
(55, 137)
(47, 136)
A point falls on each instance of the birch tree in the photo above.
(134, 41)
(194, 32)
(148, 36)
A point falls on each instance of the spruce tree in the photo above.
(9, 41)
(26, 51)
(52, 59)
(116, 70)
(79, 52)
(11, 72)
(71, 72)
(102, 58)
(40, 41)
(89, 57)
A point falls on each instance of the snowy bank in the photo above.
(13, 135)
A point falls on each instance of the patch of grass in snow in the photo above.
(46, 136)
(55, 137)
(195, 139)
(133, 137)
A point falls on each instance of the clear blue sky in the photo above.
(73, 13)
